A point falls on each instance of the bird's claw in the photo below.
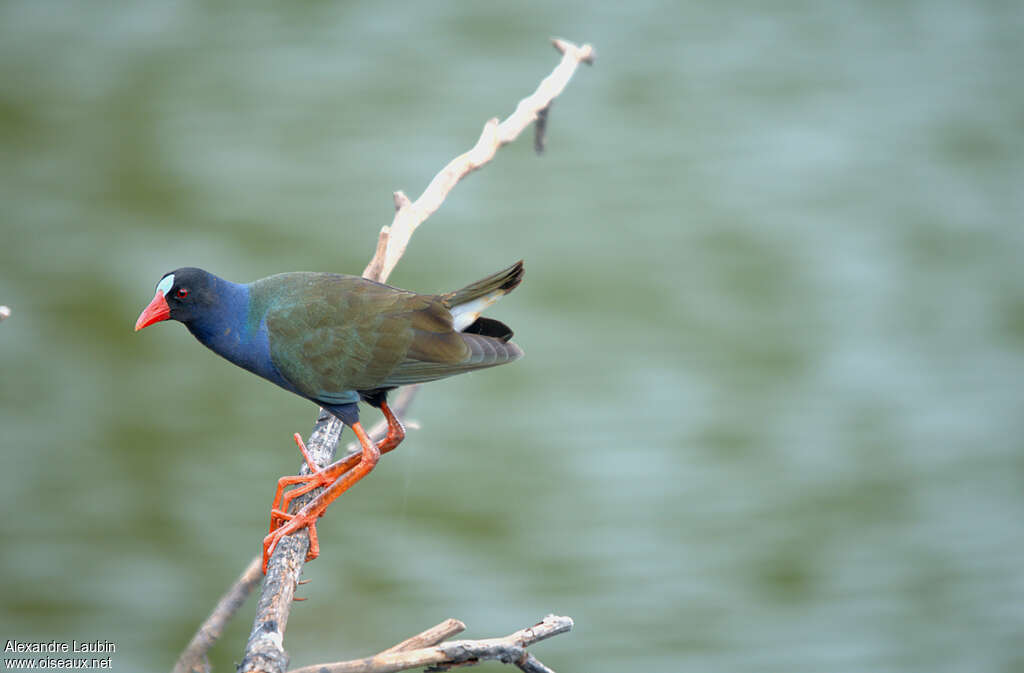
(290, 523)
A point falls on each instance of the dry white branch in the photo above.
(394, 238)
(265, 647)
(509, 650)
(432, 636)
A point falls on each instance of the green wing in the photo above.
(331, 335)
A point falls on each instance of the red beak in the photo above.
(156, 311)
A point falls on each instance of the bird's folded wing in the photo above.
(482, 352)
(354, 335)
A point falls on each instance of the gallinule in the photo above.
(337, 340)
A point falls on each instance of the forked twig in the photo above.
(509, 650)
(265, 648)
(409, 216)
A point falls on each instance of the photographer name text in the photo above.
(55, 646)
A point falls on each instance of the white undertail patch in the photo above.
(466, 314)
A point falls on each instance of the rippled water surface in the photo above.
(771, 413)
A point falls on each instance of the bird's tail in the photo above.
(467, 304)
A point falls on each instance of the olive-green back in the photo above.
(331, 334)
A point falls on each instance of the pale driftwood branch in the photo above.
(265, 647)
(411, 215)
(509, 650)
(264, 651)
(432, 636)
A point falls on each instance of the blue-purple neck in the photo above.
(228, 329)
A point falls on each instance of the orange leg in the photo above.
(396, 433)
(318, 478)
(331, 477)
(315, 479)
(307, 516)
(285, 482)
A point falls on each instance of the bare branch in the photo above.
(266, 642)
(193, 659)
(509, 650)
(265, 647)
(401, 200)
(264, 651)
(432, 636)
(494, 135)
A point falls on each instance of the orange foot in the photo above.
(316, 478)
(335, 478)
(292, 523)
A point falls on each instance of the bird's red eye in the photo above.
(181, 293)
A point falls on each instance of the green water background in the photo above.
(771, 413)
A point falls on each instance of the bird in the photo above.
(337, 340)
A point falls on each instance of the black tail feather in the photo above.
(490, 327)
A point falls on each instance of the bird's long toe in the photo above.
(292, 523)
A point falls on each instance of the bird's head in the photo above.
(181, 295)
